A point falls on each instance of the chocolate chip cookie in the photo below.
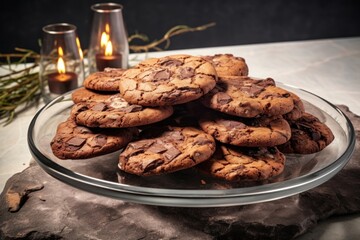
(247, 132)
(308, 135)
(76, 142)
(169, 150)
(298, 109)
(248, 97)
(82, 94)
(115, 112)
(108, 80)
(229, 65)
(236, 164)
(168, 81)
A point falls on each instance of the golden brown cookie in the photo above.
(229, 65)
(115, 112)
(298, 110)
(248, 97)
(75, 142)
(246, 132)
(236, 164)
(168, 81)
(82, 95)
(166, 150)
(108, 80)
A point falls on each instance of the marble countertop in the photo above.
(328, 68)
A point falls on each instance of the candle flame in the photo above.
(105, 42)
(104, 39)
(79, 47)
(108, 49)
(61, 65)
(60, 51)
(60, 62)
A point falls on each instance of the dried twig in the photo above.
(177, 30)
(18, 87)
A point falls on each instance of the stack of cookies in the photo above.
(182, 111)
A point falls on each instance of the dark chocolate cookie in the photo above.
(170, 150)
(229, 65)
(308, 135)
(108, 80)
(76, 142)
(248, 97)
(168, 81)
(236, 164)
(115, 112)
(246, 132)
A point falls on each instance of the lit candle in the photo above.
(61, 81)
(108, 58)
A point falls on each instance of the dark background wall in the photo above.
(238, 22)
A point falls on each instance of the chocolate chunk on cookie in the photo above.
(76, 142)
(236, 164)
(247, 132)
(229, 65)
(308, 135)
(170, 149)
(83, 95)
(168, 81)
(108, 80)
(248, 97)
(115, 112)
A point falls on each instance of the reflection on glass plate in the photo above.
(189, 188)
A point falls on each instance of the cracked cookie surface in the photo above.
(76, 142)
(229, 65)
(236, 164)
(308, 135)
(169, 80)
(115, 112)
(108, 80)
(166, 150)
(248, 97)
(248, 132)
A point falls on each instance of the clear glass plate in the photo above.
(189, 188)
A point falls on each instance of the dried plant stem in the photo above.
(18, 87)
(177, 30)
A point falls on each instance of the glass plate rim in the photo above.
(119, 190)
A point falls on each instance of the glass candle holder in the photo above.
(109, 45)
(61, 65)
